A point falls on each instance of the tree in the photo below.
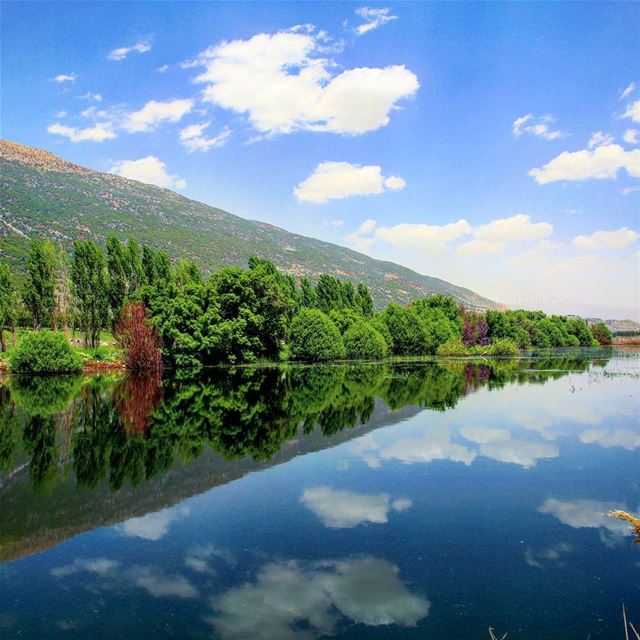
(139, 338)
(135, 272)
(409, 335)
(601, 333)
(62, 291)
(314, 337)
(118, 281)
(88, 275)
(39, 290)
(328, 293)
(362, 341)
(8, 303)
(365, 300)
(308, 294)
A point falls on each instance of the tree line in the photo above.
(259, 313)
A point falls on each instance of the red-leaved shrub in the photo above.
(139, 338)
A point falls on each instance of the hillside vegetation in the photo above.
(45, 196)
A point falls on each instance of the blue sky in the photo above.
(492, 145)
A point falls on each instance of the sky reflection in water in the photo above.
(408, 501)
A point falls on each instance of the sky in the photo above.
(494, 145)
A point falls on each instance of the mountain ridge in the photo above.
(45, 195)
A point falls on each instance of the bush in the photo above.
(452, 347)
(601, 333)
(362, 341)
(315, 337)
(504, 348)
(139, 338)
(45, 352)
(409, 334)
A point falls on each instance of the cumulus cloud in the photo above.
(633, 111)
(160, 585)
(193, 137)
(599, 138)
(289, 600)
(539, 126)
(65, 77)
(347, 509)
(372, 19)
(150, 170)
(553, 554)
(155, 113)
(97, 133)
(283, 83)
(586, 514)
(631, 136)
(122, 52)
(152, 526)
(608, 438)
(426, 237)
(337, 180)
(483, 435)
(199, 557)
(618, 239)
(520, 452)
(600, 163)
(99, 566)
(493, 237)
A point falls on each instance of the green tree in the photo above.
(89, 278)
(62, 291)
(118, 282)
(601, 333)
(314, 337)
(365, 300)
(362, 341)
(135, 271)
(308, 294)
(40, 286)
(328, 293)
(8, 303)
(409, 336)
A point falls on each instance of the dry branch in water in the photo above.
(632, 520)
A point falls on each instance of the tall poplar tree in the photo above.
(40, 286)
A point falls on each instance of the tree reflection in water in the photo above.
(126, 429)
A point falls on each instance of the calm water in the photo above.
(413, 501)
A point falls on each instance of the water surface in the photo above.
(423, 500)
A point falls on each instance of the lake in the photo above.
(410, 500)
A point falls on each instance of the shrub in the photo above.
(452, 347)
(362, 341)
(504, 348)
(139, 338)
(408, 332)
(45, 352)
(601, 333)
(315, 337)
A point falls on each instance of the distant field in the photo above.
(629, 340)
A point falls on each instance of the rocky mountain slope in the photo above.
(44, 195)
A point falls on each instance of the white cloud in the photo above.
(159, 585)
(631, 136)
(65, 77)
(96, 97)
(599, 138)
(283, 83)
(484, 435)
(600, 163)
(100, 566)
(98, 133)
(633, 111)
(361, 239)
(608, 438)
(347, 509)
(586, 514)
(628, 91)
(122, 52)
(373, 18)
(194, 139)
(628, 190)
(539, 126)
(164, 68)
(552, 554)
(428, 238)
(155, 113)
(520, 452)
(199, 556)
(337, 180)
(152, 526)
(618, 239)
(478, 247)
(290, 601)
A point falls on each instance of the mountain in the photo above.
(618, 326)
(44, 195)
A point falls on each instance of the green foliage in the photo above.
(45, 352)
(89, 278)
(118, 280)
(365, 300)
(601, 333)
(8, 302)
(362, 341)
(344, 318)
(38, 293)
(452, 347)
(409, 335)
(504, 348)
(314, 337)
